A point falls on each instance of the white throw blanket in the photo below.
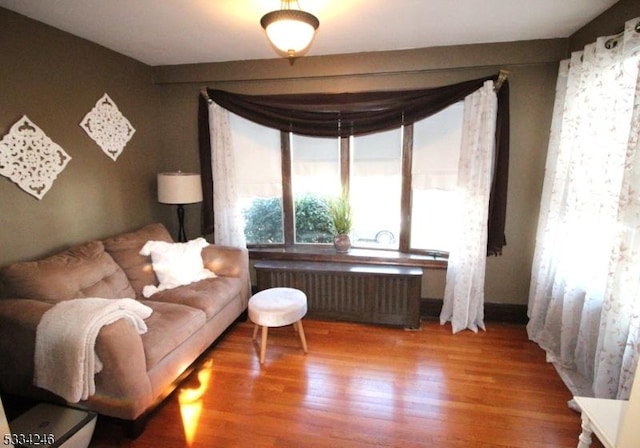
(65, 357)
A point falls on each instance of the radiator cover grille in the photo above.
(358, 293)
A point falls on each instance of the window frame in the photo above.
(288, 207)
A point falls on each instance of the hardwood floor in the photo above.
(366, 386)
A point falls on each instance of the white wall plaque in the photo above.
(106, 125)
(31, 159)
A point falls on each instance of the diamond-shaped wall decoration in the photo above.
(106, 125)
(31, 159)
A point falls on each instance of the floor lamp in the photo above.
(179, 188)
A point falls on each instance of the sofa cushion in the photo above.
(169, 326)
(81, 271)
(176, 264)
(125, 250)
(209, 295)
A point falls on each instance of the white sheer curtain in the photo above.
(228, 225)
(584, 304)
(464, 291)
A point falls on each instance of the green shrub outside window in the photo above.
(264, 222)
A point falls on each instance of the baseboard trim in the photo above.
(496, 312)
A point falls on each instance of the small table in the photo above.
(277, 307)
(602, 417)
(52, 425)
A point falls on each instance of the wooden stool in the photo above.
(277, 307)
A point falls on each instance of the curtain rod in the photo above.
(502, 77)
(205, 94)
(613, 41)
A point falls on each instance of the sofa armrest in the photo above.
(226, 261)
(118, 345)
(124, 372)
(229, 261)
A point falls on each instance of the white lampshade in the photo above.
(179, 188)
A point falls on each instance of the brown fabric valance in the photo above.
(345, 114)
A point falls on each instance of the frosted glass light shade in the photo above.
(289, 30)
(179, 188)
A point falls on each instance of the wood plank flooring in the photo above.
(366, 386)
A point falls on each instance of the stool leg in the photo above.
(301, 333)
(255, 331)
(263, 345)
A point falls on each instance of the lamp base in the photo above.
(182, 236)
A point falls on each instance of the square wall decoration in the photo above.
(30, 158)
(106, 125)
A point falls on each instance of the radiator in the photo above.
(352, 292)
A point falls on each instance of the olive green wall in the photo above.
(55, 79)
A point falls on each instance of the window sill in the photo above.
(360, 256)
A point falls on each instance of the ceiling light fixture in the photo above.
(290, 31)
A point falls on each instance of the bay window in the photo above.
(396, 152)
(316, 169)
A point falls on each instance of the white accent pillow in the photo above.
(175, 264)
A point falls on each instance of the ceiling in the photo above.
(167, 32)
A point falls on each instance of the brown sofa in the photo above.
(139, 371)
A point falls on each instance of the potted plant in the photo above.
(341, 217)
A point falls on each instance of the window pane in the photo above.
(375, 188)
(315, 167)
(258, 167)
(436, 150)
